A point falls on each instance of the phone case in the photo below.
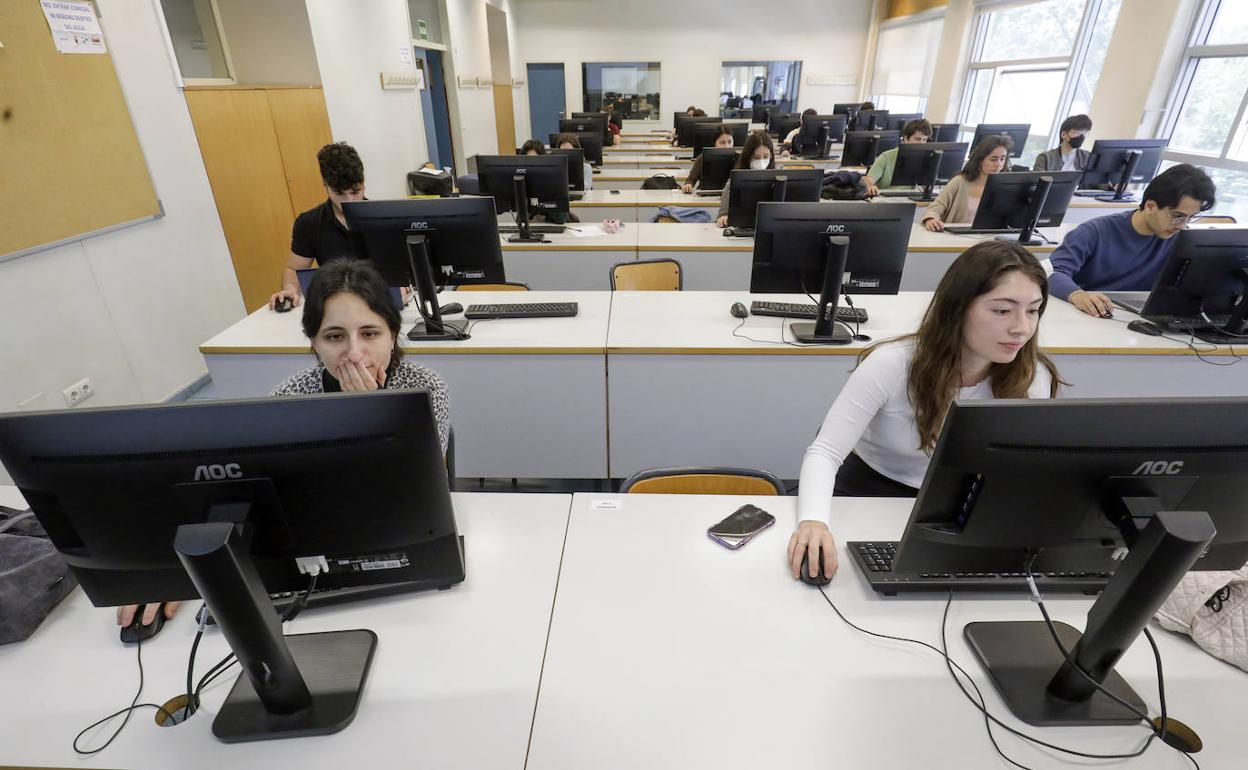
(735, 543)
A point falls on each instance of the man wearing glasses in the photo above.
(1124, 252)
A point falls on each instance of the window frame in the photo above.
(183, 81)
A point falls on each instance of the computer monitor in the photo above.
(591, 145)
(704, 135)
(1166, 479)
(588, 122)
(685, 128)
(870, 120)
(428, 243)
(896, 121)
(526, 185)
(1025, 200)
(1203, 286)
(1117, 163)
(789, 246)
(1016, 131)
(927, 164)
(863, 147)
(847, 109)
(227, 500)
(749, 187)
(717, 165)
(817, 134)
(305, 276)
(781, 123)
(576, 167)
(945, 132)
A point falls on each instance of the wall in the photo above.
(691, 39)
(431, 12)
(945, 99)
(355, 42)
(270, 42)
(472, 109)
(127, 309)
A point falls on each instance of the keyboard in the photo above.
(968, 230)
(738, 232)
(875, 561)
(905, 192)
(846, 315)
(522, 310)
(534, 228)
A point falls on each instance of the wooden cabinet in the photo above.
(259, 148)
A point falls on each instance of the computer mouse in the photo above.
(804, 572)
(136, 631)
(1107, 314)
(284, 305)
(1145, 327)
(729, 232)
(739, 310)
(451, 308)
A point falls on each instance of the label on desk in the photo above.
(606, 505)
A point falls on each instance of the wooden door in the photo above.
(301, 123)
(505, 119)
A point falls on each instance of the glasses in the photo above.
(1183, 220)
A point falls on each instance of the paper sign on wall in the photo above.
(405, 55)
(74, 26)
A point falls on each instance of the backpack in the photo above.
(33, 576)
(661, 182)
(428, 182)
(843, 186)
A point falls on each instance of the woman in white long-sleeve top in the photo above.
(978, 339)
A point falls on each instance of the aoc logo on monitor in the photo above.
(218, 472)
(1158, 468)
(419, 226)
(837, 230)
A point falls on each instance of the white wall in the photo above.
(127, 309)
(691, 39)
(472, 109)
(270, 42)
(356, 41)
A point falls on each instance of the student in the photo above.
(787, 144)
(853, 123)
(692, 112)
(959, 199)
(533, 147)
(354, 329)
(607, 116)
(1125, 251)
(977, 340)
(573, 142)
(758, 153)
(320, 234)
(723, 138)
(881, 173)
(1067, 156)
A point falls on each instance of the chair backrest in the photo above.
(1218, 219)
(509, 286)
(703, 481)
(646, 275)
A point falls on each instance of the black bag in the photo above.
(425, 183)
(661, 182)
(843, 186)
(33, 576)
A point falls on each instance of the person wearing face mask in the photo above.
(1125, 251)
(723, 138)
(977, 340)
(959, 200)
(758, 154)
(320, 234)
(1069, 155)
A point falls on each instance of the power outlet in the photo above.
(78, 392)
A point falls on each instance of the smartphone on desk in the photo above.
(738, 528)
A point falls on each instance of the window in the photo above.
(905, 58)
(198, 43)
(1206, 120)
(632, 87)
(1037, 63)
(775, 82)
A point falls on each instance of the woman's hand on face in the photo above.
(355, 378)
(810, 538)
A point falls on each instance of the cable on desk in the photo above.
(128, 711)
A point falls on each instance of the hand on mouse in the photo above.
(722, 221)
(933, 224)
(295, 298)
(125, 614)
(811, 536)
(1092, 302)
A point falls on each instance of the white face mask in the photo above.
(759, 165)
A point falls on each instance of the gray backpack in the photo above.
(33, 576)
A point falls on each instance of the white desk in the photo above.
(685, 391)
(514, 380)
(1081, 209)
(453, 683)
(578, 259)
(669, 651)
(623, 177)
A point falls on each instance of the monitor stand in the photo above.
(931, 170)
(1032, 217)
(520, 195)
(826, 330)
(431, 327)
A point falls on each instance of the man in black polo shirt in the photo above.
(320, 234)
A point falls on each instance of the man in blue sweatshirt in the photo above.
(1124, 252)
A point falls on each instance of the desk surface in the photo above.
(668, 651)
(587, 236)
(453, 683)
(699, 322)
(265, 331)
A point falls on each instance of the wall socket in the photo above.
(78, 392)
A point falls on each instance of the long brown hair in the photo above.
(755, 140)
(971, 171)
(935, 373)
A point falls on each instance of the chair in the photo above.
(508, 286)
(1217, 219)
(646, 275)
(703, 481)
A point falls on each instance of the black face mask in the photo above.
(1076, 141)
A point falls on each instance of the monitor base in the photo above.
(1019, 241)
(333, 664)
(1021, 659)
(805, 332)
(421, 332)
(531, 238)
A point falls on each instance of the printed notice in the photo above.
(74, 26)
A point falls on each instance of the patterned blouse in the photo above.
(407, 376)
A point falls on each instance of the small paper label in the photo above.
(606, 505)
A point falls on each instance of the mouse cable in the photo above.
(980, 704)
(128, 710)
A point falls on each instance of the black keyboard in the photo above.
(533, 228)
(846, 315)
(738, 232)
(904, 193)
(875, 560)
(522, 310)
(968, 230)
